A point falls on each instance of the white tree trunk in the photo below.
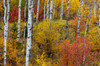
(5, 32)
(95, 3)
(54, 10)
(29, 25)
(79, 16)
(6, 26)
(38, 3)
(84, 56)
(61, 14)
(44, 8)
(47, 9)
(67, 19)
(90, 14)
(19, 19)
(24, 23)
(51, 8)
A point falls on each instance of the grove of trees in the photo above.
(49, 32)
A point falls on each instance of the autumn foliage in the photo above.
(40, 12)
(14, 14)
(72, 53)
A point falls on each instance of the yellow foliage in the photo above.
(94, 38)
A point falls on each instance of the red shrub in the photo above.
(40, 12)
(14, 14)
(72, 54)
(74, 21)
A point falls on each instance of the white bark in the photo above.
(47, 9)
(29, 25)
(54, 10)
(90, 14)
(44, 8)
(32, 16)
(5, 33)
(24, 23)
(84, 56)
(19, 19)
(6, 20)
(79, 16)
(61, 14)
(38, 3)
(95, 3)
(67, 19)
(51, 8)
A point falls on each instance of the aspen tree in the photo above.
(54, 9)
(44, 8)
(38, 3)
(24, 23)
(67, 19)
(90, 14)
(61, 13)
(6, 20)
(47, 9)
(19, 19)
(29, 25)
(84, 56)
(51, 8)
(79, 16)
(5, 32)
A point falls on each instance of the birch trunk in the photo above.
(90, 14)
(51, 8)
(19, 19)
(24, 23)
(99, 16)
(6, 26)
(32, 16)
(79, 16)
(29, 25)
(47, 9)
(84, 56)
(44, 8)
(95, 3)
(37, 12)
(8, 9)
(54, 10)
(61, 14)
(5, 32)
(67, 19)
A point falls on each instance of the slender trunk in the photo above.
(67, 19)
(95, 3)
(5, 32)
(47, 9)
(38, 3)
(99, 16)
(61, 14)
(90, 14)
(54, 10)
(79, 16)
(32, 16)
(24, 23)
(8, 8)
(44, 8)
(51, 8)
(84, 56)
(29, 25)
(19, 19)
